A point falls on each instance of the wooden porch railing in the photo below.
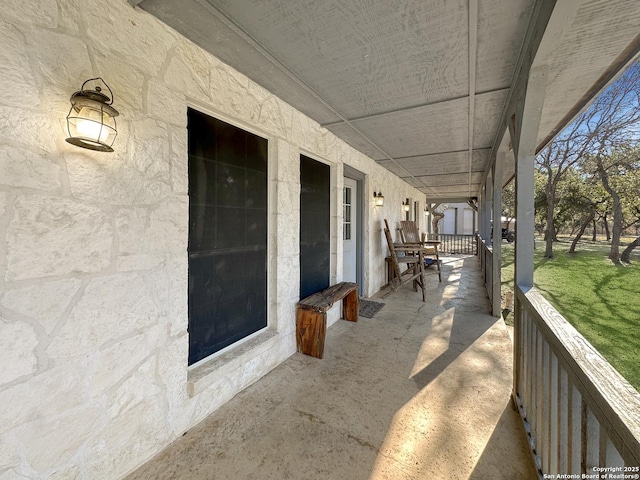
(460, 244)
(580, 414)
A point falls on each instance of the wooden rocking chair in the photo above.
(414, 261)
(410, 235)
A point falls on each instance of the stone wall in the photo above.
(93, 259)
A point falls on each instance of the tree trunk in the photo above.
(549, 233)
(616, 232)
(614, 254)
(594, 237)
(589, 220)
(606, 227)
(626, 254)
(436, 217)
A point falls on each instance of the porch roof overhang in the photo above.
(426, 89)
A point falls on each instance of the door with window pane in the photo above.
(349, 230)
(227, 234)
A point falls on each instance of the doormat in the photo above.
(368, 308)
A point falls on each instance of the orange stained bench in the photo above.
(311, 315)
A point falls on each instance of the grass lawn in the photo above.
(601, 300)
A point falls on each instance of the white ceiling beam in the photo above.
(447, 199)
(413, 107)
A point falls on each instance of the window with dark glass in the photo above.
(227, 234)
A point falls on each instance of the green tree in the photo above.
(508, 209)
(611, 121)
(631, 203)
(614, 123)
(540, 201)
(436, 210)
(587, 198)
(554, 162)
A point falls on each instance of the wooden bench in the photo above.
(311, 315)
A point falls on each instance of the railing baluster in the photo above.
(612, 457)
(545, 398)
(532, 370)
(538, 391)
(591, 442)
(563, 423)
(523, 375)
(602, 448)
(575, 430)
(554, 420)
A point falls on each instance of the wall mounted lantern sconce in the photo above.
(406, 205)
(91, 121)
(379, 199)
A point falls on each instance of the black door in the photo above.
(315, 211)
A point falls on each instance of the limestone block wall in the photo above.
(93, 246)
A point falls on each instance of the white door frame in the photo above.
(359, 177)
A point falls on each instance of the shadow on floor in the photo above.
(495, 461)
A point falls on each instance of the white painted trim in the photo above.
(210, 110)
(225, 350)
(200, 376)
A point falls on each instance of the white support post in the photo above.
(488, 188)
(497, 174)
(552, 19)
(481, 231)
(524, 136)
(480, 214)
(484, 213)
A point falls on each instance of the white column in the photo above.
(524, 134)
(497, 174)
(488, 193)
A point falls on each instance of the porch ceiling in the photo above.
(419, 86)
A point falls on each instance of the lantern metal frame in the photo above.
(102, 122)
(406, 206)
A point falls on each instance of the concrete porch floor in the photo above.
(421, 391)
